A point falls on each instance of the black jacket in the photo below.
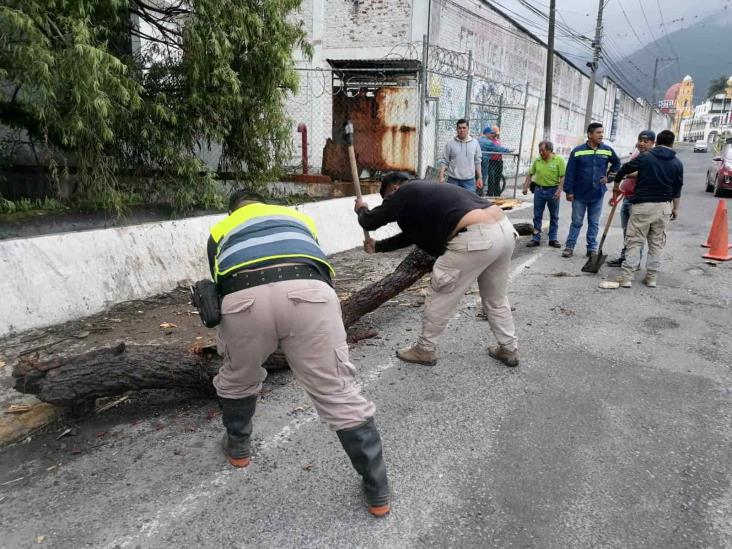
(660, 175)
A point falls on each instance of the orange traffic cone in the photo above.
(718, 238)
(718, 215)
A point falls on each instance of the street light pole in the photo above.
(596, 44)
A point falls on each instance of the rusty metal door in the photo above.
(385, 124)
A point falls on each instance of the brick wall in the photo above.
(366, 23)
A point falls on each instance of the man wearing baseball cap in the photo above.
(492, 160)
(655, 202)
(646, 141)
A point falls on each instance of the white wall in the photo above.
(51, 279)
(514, 56)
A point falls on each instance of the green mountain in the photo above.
(704, 50)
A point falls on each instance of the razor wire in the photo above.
(459, 86)
(410, 113)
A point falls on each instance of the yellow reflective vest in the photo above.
(257, 233)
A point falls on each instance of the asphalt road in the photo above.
(613, 432)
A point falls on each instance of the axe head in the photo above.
(348, 130)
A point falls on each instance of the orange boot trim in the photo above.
(379, 510)
(237, 462)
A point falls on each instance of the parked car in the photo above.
(719, 174)
(701, 145)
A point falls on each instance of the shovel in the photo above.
(596, 260)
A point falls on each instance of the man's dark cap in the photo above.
(647, 134)
(244, 195)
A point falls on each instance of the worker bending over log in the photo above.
(471, 238)
(277, 290)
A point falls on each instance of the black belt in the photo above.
(548, 186)
(241, 280)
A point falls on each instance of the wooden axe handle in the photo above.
(354, 167)
(354, 171)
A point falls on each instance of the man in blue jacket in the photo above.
(491, 165)
(585, 184)
(655, 202)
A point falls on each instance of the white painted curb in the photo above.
(55, 278)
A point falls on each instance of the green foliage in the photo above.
(717, 86)
(27, 205)
(212, 75)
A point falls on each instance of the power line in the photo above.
(566, 31)
(502, 28)
(569, 32)
(630, 25)
(613, 66)
(665, 30)
(620, 78)
(655, 42)
(626, 58)
(668, 40)
(616, 73)
(569, 54)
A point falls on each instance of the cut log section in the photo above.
(108, 371)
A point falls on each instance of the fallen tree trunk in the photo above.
(369, 298)
(109, 371)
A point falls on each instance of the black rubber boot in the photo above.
(617, 262)
(237, 417)
(363, 446)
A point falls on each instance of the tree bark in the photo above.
(108, 371)
(369, 298)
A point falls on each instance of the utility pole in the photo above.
(655, 84)
(548, 91)
(469, 88)
(596, 45)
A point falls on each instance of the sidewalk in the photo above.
(142, 321)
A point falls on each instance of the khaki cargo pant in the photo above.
(482, 252)
(647, 223)
(303, 317)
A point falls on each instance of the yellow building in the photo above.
(684, 103)
(728, 91)
(679, 101)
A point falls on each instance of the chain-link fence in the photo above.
(382, 100)
(404, 111)
(460, 87)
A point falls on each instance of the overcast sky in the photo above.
(647, 20)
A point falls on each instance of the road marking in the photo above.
(521, 267)
(208, 488)
(287, 431)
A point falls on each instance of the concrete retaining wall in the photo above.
(50, 279)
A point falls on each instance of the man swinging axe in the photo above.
(471, 238)
(277, 291)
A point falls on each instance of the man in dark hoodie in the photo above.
(655, 202)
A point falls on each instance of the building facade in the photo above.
(711, 121)
(678, 102)
(441, 60)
